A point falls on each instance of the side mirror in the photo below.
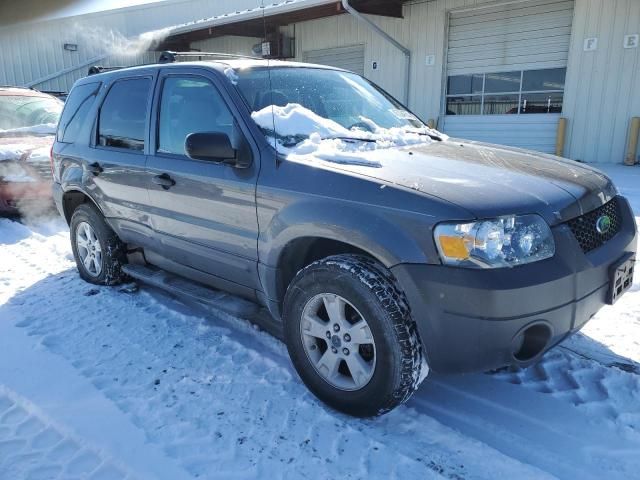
(213, 146)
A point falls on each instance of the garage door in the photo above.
(506, 68)
(350, 58)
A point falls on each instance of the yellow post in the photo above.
(560, 137)
(431, 123)
(632, 147)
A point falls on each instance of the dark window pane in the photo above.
(190, 105)
(123, 114)
(464, 105)
(541, 103)
(75, 111)
(464, 84)
(500, 104)
(550, 79)
(504, 82)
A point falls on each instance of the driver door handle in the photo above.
(164, 180)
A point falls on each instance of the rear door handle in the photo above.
(95, 168)
(164, 180)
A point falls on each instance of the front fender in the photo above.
(379, 231)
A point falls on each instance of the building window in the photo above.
(506, 93)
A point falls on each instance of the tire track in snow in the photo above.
(567, 415)
(32, 447)
(211, 398)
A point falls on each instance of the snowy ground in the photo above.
(96, 383)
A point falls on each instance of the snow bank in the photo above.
(300, 133)
(42, 129)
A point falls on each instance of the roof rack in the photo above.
(99, 69)
(169, 56)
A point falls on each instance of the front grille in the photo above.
(586, 230)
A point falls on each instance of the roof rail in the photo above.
(169, 56)
(100, 69)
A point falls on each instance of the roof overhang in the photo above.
(259, 22)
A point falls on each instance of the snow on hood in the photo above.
(42, 129)
(324, 139)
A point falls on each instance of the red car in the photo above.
(28, 121)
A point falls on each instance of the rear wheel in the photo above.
(98, 251)
(351, 337)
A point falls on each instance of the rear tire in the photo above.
(98, 251)
(387, 359)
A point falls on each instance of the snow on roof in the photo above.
(249, 14)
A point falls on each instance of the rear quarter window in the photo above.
(75, 111)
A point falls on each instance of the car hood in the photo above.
(491, 180)
(19, 147)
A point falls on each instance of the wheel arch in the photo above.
(72, 199)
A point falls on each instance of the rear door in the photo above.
(206, 217)
(116, 161)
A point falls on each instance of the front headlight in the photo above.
(500, 242)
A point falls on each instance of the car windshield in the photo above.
(306, 103)
(29, 113)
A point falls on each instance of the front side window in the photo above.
(123, 115)
(500, 93)
(190, 105)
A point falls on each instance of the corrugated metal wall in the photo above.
(423, 31)
(235, 45)
(602, 91)
(32, 52)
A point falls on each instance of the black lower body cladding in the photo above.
(477, 320)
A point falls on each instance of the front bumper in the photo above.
(470, 320)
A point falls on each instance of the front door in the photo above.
(204, 212)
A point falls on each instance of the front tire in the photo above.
(351, 337)
(98, 251)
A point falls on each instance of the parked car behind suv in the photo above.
(28, 120)
(381, 248)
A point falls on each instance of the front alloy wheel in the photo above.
(338, 341)
(351, 337)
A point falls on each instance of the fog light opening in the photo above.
(530, 342)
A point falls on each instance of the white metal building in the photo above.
(497, 71)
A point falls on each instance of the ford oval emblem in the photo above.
(603, 224)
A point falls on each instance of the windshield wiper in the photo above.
(425, 134)
(351, 139)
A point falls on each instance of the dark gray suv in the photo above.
(380, 248)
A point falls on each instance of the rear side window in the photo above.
(123, 115)
(76, 110)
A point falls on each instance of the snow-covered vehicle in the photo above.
(381, 248)
(28, 120)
